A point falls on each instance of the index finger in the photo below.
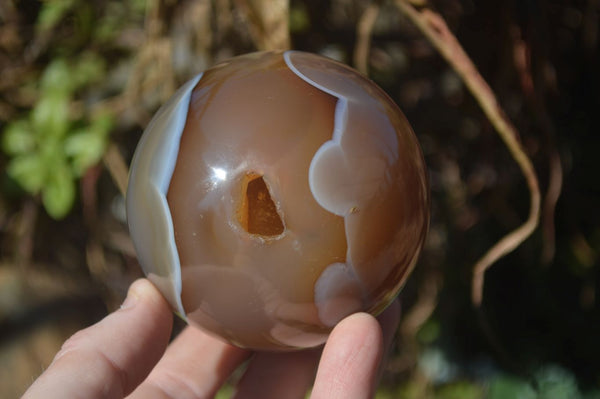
(112, 357)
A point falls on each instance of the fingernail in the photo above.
(131, 299)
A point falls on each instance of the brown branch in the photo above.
(413, 320)
(422, 310)
(268, 22)
(364, 30)
(116, 166)
(433, 26)
(24, 234)
(549, 209)
(522, 59)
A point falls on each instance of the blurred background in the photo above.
(80, 79)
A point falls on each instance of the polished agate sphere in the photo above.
(275, 194)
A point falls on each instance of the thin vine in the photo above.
(435, 29)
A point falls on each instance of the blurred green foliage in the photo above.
(511, 387)
(53, 144)
(50, 148)
(52, 12)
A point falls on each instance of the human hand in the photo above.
(127, 353)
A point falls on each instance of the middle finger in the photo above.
(195, 365)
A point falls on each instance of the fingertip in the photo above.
(350, 361)
(358, 325)
(143, 290)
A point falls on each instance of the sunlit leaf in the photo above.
(57, 77)
(138, 6)
(226, 391)
(50, 117)
(18, 138)
(90, 68)
(52, 12)
(58, 194)
(510, 387)
(429, 332)
(85, 149)
(86, 146)
(28, 171)
(460, 390)
(299, 18)
(412, 389)
(102, 123)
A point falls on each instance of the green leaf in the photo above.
(102, 123)
(51, 13)
(50, 117)
(86, 146)
(460, 390)
(90, 68)
(138, 6)
(226, 391)
(555, 382)
(510, 387)
(58, 194)
(18, 138)
(429, 332)
(29, 171)
(412, 389)
(299, 18)
(57, 77)
(85, 149)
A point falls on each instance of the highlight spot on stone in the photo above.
(258, 213)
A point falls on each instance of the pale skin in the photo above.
(127, 354)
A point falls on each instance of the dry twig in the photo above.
(364, 30)
(555, 182)
(433, 26)
(522, 59)
(117, 167)
(267, 22)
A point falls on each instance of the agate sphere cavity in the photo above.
(275, 194)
